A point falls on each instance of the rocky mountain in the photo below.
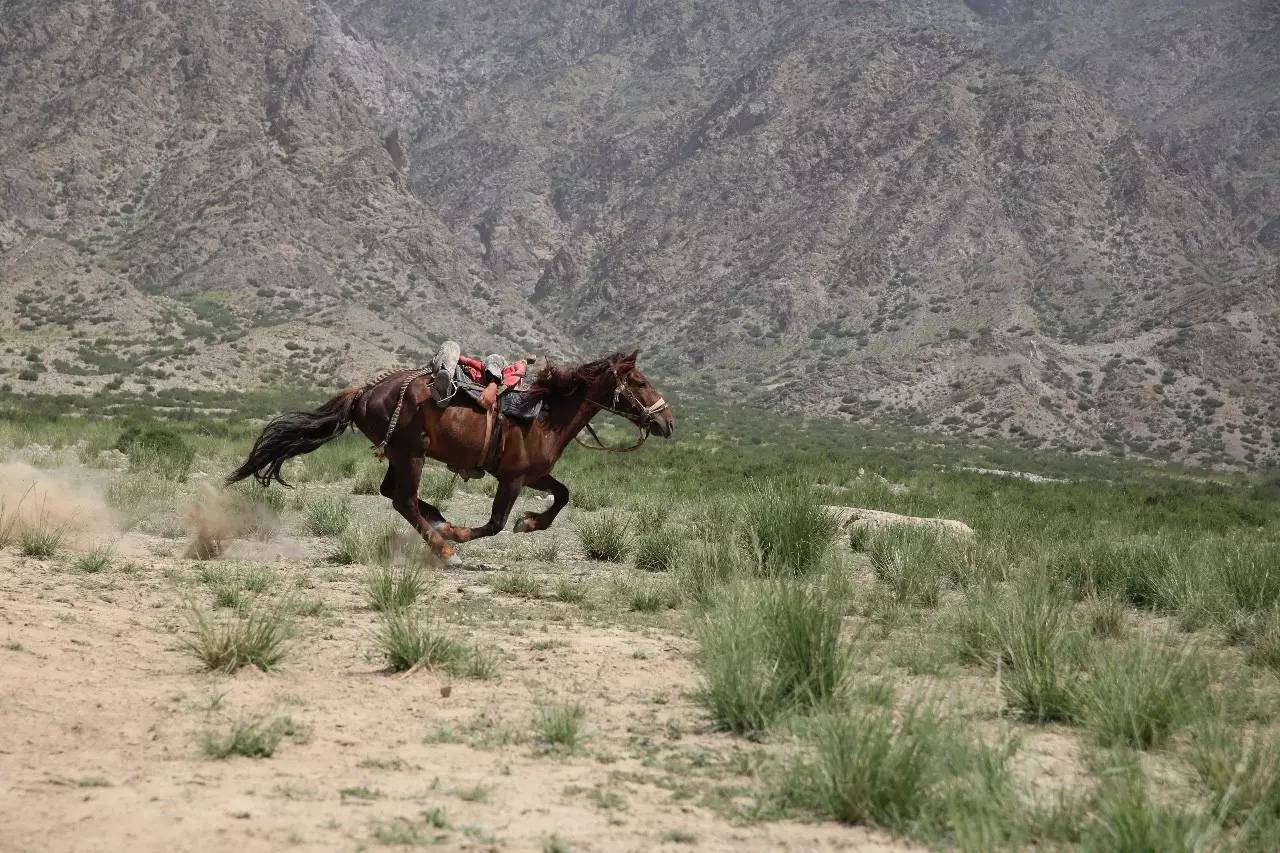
(1051, 220)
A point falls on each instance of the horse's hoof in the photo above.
(453, 561)
(524, 525)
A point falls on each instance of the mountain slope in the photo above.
(947, 214)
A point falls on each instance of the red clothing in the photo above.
(511, 374)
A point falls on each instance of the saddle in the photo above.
(515, 398)
(459, 380)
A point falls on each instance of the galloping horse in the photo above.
(526, 451)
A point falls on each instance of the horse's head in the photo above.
(635, 398)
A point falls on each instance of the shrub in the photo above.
(561, 726)
(787, 530)
(157, 449)
(327, 516)
(606, 537)
(393, 588)
(258, 637)
(1139, 693)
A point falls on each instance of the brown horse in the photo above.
(523, 457)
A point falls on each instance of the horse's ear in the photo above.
(630, 360)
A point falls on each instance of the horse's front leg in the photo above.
(542, 520)
(508, 491)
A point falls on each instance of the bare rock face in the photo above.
(851, 518)
(1052, 221)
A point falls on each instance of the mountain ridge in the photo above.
(915, 212)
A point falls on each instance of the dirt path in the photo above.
(101, 711)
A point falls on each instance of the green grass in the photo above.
(254, 737)
(1033, 629)
(1135, 571)
(786, 529)
(40, 538)
(705, 567)
(519, 583)
(569, 591)
(561, 726)
(1251, 575)
(327, 516)
(437, 487)
(1126, 817)
(395, 587)
(1241, 773)
(606, 538)
(409, 638)
(97, 560)
(1137, 694)
(912, 774)
(255, 637)
(912, 563)
(425, 832)
(644, 595)
(768, 648)
(656, 549)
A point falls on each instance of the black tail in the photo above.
(293, 434)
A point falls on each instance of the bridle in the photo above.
(649, 415)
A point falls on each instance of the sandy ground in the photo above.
(101, 712)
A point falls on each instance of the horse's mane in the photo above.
(556, 378)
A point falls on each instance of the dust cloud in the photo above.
(64, 499)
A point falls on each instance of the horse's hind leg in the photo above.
(508, 491)
(404, 497)
(542, 520)
(429, 512)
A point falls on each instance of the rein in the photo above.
(648, 412)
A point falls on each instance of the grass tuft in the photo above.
(657, 549)
(254, 737)
(409, 638)
(327, 516)
(787, 530)
(606, 538)
(258, 636)
(97, 560)
(768, 648)
(519, 583)
(395, 587)
(561, 726)
(40, 538)
(1139, 693)
(1032, 627)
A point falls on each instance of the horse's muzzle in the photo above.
(664, 425)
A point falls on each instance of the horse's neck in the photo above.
(579, 412)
